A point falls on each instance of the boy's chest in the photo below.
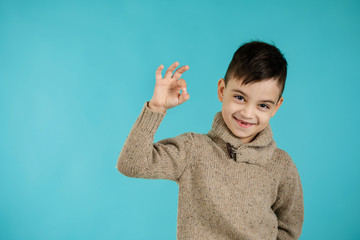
(221, 184)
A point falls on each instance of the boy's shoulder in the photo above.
(201, 138)
(193, 140)
(284, 162)
(194, 137)
(280, 157)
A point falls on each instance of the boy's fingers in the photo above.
(184, 96)
(171, 69)
(180, 71)
(182, 84)
(158, 72)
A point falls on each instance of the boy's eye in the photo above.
(239, 97)
(264, 106)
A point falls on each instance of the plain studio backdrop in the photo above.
(74, 76)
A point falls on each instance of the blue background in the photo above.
(74, 76)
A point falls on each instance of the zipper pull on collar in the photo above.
(231, 150)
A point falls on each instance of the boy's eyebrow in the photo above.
(237, 90)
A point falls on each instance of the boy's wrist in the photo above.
(155, 109)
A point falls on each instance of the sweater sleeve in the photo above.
(140, 157)
(289, 206)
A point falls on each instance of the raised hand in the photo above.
(167, 92)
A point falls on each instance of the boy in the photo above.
(234, 183)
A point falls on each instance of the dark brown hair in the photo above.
(257, 61)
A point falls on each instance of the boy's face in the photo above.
(247, 109)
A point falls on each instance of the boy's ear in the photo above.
(278, 104)
(221, 87)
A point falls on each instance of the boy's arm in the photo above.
(142, 158)
(289, 206)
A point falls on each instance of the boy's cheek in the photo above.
(266, 119)
(230, 104)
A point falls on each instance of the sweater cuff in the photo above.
(149, 120)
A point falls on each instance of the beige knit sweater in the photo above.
(257, 194)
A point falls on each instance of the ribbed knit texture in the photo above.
(257, 195)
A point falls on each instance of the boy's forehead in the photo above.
(270, 82)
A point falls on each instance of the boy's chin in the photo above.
(247, 137)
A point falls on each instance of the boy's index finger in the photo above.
(170, 70)
(180, 71)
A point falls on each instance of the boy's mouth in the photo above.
(243, 123)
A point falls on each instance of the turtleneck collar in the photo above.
(256, 152)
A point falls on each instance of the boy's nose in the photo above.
(247, 112)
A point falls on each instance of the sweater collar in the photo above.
(256, 152)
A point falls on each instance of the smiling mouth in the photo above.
(243, 123)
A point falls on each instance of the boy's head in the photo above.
(251, 92)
